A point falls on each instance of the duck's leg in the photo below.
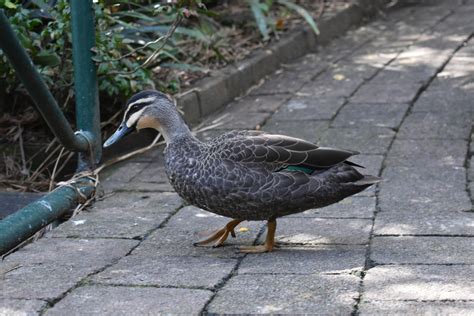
(269, 240)
(221, 235)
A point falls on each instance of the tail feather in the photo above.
(350, 163)
(367, 180)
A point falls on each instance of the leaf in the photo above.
(47, 59)
(303, 12)
(137, 15)
(9, 5)
(339, 77)
(257, 11)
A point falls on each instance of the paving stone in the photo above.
(424, 222)
(442, 125)
(332, 84)
(119, 176)
(307, 130)
(367, 140)
(460, 308)
(310, 231)
(422, 250)
(330, 259)
(443, 96)
(419, 282)
(191, 224)
(19, 307)
(360, 114)
(154, 269)
(359, 207)
(133, 214)
(261, 103)
(375, 92)
(423, 153)
(237, 120)
(54, 265)
(433, 190)
(283, 82)
(151, 179)
(108, 300)
(311, 63)
(304, 107)
(282, 294)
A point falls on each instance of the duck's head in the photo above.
(149, 109)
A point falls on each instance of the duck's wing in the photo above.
(280, 149)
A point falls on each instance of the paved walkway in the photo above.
(401, 91)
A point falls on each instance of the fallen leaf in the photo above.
(339, 77)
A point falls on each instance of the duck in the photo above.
(246, 175)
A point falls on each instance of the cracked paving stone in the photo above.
(442, 125)
(460, 308)
(108, 300)
(421, 153)
(311, 230)
(360, 114)
(19, 307)
(366, 140)
(422, 250)
(55, 265)
(359, 206)
(134, 215)
(295, 294)
(154, 269)
(307, 130)
(410, 222)
(305, 107)
(191, 224)
(328, 259)
(419, 282)
(429, 190)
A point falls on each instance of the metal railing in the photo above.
(21, 225)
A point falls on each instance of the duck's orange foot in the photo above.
(269, 241)
(220, 236)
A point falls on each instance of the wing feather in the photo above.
(278, 149)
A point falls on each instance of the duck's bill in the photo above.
(122, 131)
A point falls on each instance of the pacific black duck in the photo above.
(244, 175)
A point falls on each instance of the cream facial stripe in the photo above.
(134, 118)
(139, 101)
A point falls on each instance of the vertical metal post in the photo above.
(85, 78)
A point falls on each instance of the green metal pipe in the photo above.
(85, 78)
(19, 226)
(38, 90)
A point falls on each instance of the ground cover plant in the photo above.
(140, 44)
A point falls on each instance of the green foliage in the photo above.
(261, 11)
(49, 45)
(126, 39)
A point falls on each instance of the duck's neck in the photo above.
(172, 126)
